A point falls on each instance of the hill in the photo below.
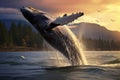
(95, 31)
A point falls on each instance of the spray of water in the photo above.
(76, 56)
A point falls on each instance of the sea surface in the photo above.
(51, 65)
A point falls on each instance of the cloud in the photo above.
(20, 3)
(109, 17)
(10, 13)
(12, 3)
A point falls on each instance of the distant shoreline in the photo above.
(36, 49)
(19, 49)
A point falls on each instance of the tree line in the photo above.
(100, 44)
(19, 35)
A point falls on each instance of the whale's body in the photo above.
(60, 37)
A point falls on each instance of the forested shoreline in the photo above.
(22, 37)
(100, 44)
(19, 35)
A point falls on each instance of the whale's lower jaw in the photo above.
(62, 40)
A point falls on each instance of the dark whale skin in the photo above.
(60, 38)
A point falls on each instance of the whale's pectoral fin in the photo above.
(65, 19)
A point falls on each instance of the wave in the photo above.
(115, 61)
(21, 63)
(85, 68)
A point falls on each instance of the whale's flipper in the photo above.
(65, 19)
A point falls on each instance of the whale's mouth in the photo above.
(27, 13)
(31, 10)
(26, 9)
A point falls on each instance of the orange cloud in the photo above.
(68, 6)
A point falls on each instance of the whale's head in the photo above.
(36, 17)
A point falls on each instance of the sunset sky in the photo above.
(103, 12)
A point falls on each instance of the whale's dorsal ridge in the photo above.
(65, 19)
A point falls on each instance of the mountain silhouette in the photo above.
(95, 31)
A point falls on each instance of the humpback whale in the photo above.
(55, 33)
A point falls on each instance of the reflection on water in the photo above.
(49, 66)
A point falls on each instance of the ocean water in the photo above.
(102, 65)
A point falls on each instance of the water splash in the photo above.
(75, 53)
